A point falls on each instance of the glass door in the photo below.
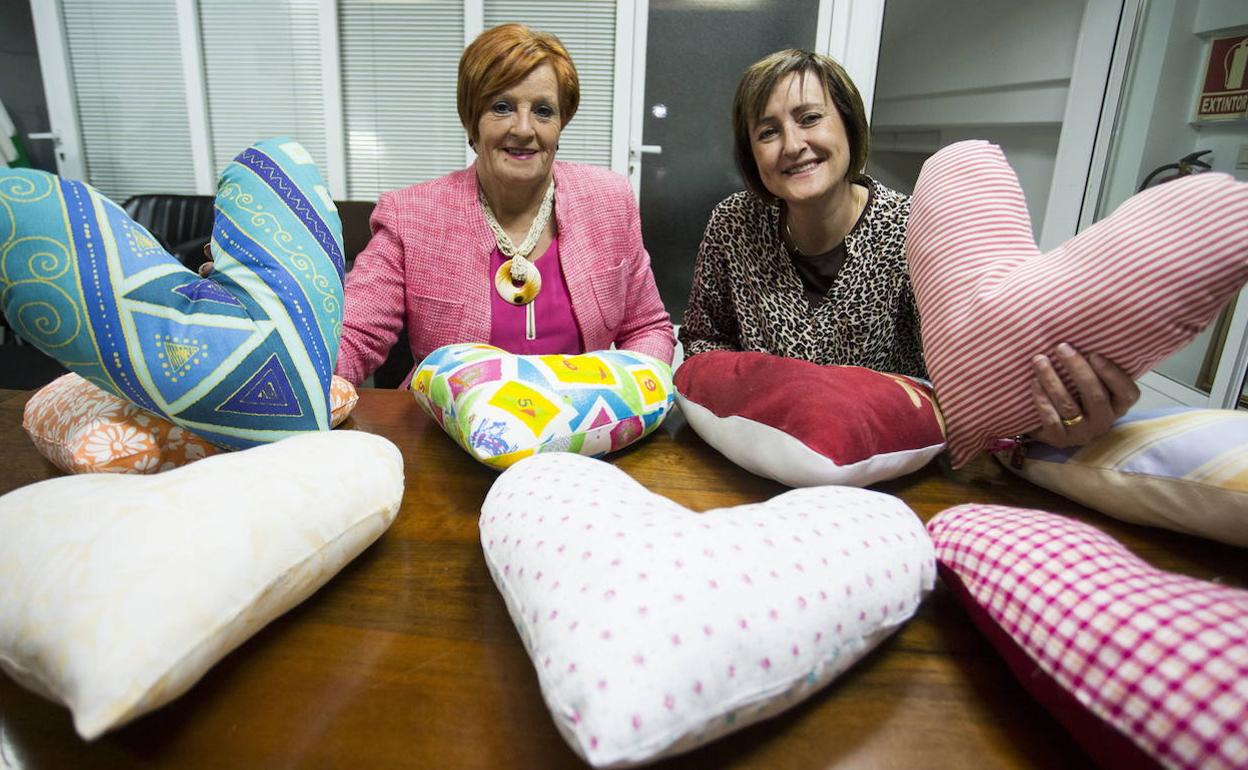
(695, 52)
(1157, 132)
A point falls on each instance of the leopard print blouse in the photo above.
(747, 295)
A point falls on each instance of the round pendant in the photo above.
(517, 292)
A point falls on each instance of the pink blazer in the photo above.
(426, 269)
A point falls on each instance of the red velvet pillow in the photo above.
(1145, 668)
(1134, 287)
(803, 424)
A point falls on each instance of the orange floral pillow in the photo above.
(83, 429)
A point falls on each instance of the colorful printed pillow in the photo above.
(239, 359)
(803, 424)
(502, 407)
(1133, 287)
(82, 429)
(655, 629)
(1179, 468)
(1145, 668)
(120, 592)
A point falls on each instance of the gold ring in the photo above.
(1071, 422)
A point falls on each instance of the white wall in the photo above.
(969, 69)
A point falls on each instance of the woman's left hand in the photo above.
(1105, 393)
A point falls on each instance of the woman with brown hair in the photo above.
(518, 250)
(809, 261)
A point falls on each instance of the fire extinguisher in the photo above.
(1236, 63)
(1188, 164)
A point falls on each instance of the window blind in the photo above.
(125, 61)
(399, 61)
(262, 65)
(587, 30)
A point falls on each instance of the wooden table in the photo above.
(409, 659)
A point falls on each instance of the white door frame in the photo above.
(849, 31)
(58, 85)
(1102, 52)
(632, 83)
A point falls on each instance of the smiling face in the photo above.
(799, 143)
(519, 131)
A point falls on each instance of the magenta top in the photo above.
(552, 307)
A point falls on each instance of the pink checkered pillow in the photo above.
(1134, 287)
(1143, 667)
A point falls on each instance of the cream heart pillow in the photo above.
(1134, 287)
(118, 592)
(655, 629)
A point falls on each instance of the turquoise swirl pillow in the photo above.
(240, 359)
(502, 407)
(1179, 468)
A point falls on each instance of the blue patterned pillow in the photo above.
(242, 358)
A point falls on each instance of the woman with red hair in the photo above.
(520, 251)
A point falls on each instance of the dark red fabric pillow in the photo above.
(803, 424)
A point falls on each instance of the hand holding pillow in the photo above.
(1133, 288)
(1104, 393)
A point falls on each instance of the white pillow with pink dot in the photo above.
(655, 629)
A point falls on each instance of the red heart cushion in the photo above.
(1134, 287)
(804, 424)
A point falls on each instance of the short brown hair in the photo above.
(755, 88)
(503, 56)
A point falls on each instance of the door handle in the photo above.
(635, 151)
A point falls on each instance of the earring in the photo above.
(472, 144)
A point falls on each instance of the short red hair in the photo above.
(503, 56)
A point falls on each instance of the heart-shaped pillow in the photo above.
(503, 407)
(82, 429)
(654, 629)
(1145, 668)
(240, 359)
(803, 424)
(1179, 468)
(1133, 288)
(119, 592)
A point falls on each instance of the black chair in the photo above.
(174, 220)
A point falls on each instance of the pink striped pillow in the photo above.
(1145, 668)
(1134, 287)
